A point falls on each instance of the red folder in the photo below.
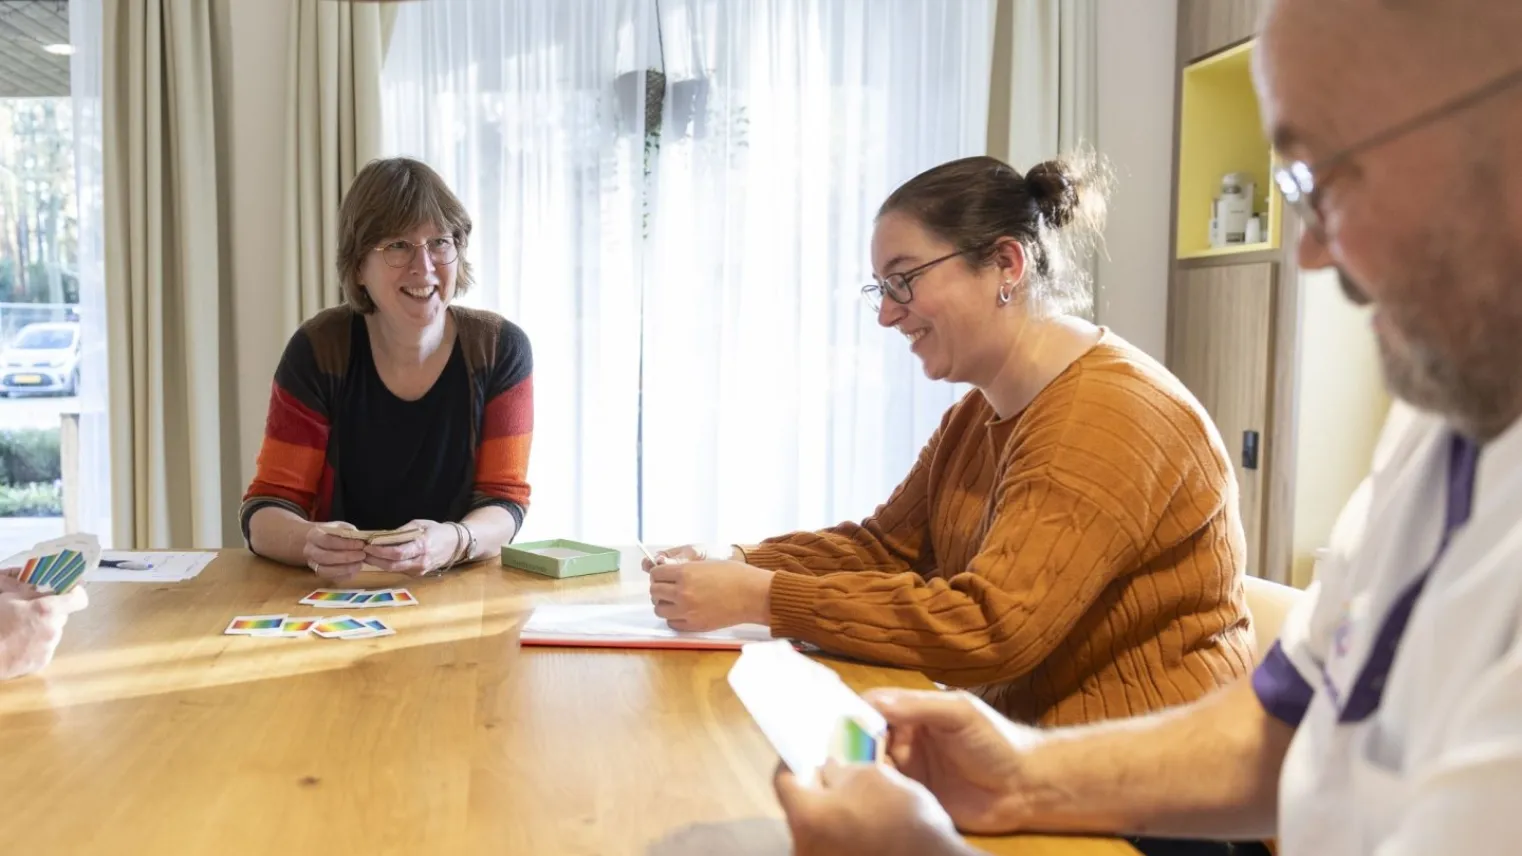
(625, 625)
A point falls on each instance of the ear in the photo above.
(1009, 258)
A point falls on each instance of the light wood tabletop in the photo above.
(152, 732)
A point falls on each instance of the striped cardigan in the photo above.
(299, 461)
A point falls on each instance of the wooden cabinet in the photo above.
(1234, 312)
(1238, 314)
(1220, 344)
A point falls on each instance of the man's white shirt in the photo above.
(1404, 675)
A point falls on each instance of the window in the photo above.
(675, 200)
(45, 248)
(39, 259)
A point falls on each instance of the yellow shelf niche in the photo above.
(1220, 131)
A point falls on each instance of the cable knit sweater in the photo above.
(1078, 561)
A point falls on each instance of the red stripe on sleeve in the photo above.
(511, 412)
(293, 456)
(292, 422)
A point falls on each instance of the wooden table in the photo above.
(154, 733)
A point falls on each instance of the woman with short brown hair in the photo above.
(397, 410)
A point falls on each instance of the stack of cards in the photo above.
(378, 537)
(358, 598)
(285, 627)
(56, 566)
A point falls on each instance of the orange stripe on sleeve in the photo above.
(287, 470)
(502, 468)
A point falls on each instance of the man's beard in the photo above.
(1421, 377)
(1476, 382)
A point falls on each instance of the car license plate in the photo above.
(27, 378)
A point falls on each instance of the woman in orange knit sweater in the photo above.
(1068, 545)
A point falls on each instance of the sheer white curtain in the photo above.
(1047, 71)
(772, 399)
(705, 368)
(85, 92)
(533, 111)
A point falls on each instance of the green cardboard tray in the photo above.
(599, 560)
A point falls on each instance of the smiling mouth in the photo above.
(423, 293)
(915, 336)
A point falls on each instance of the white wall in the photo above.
(1342, 406)
(1137, 56)
(255, 118)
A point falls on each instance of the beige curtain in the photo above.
(334, 129)
(164, 287)
(1044, 100)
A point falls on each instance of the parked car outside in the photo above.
(43, 358)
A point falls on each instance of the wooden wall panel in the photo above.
(1206, 26)
(1221, 347)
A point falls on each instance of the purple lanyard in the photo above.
(1368, 689)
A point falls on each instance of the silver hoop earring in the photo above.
(1006, 293)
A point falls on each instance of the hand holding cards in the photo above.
(805, 710)
(375, 537)
(336, 551)
(37, 598)
(56, 566)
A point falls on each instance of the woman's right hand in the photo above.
(684, 553)
(330, 555)
(695, 553)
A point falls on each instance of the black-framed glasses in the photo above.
(1298, 181)
(399, 254)
(900, 286)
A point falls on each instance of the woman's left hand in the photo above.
(700, 596)
(437, 544)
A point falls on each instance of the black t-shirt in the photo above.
(403, 460)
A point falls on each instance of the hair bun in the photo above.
(1055, 191)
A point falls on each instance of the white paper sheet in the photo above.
(124, 566)
(149, 567)
(623, 622)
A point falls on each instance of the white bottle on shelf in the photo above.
(1254, 229)
(1234, 209)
